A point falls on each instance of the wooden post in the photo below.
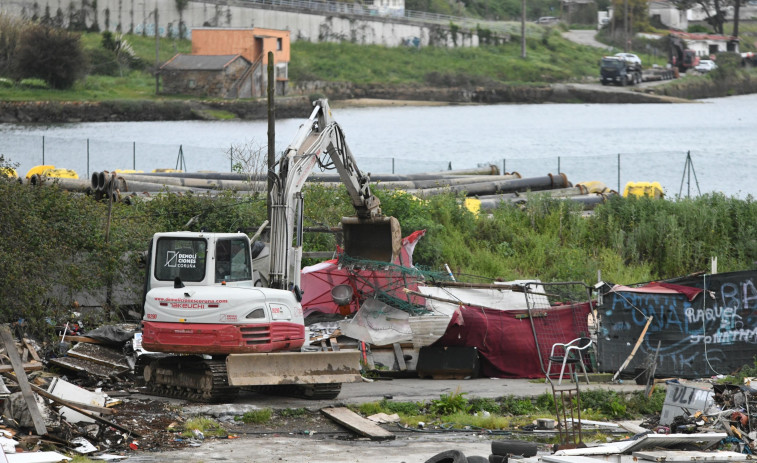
(23, 381)
(271, 130)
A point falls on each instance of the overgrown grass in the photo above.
(260, 416)
(550, 58)
(208, 427)
(455, 410)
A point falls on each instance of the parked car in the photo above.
(547, 20)
(629, 57)
(706, 65)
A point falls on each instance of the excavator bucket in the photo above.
(293, 368)
(373, 239)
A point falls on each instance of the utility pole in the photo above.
(157, 52)
(523, 28)
(625, 27)
(271, 133)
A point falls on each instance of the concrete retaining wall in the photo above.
(137, 16)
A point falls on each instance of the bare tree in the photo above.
(251, 160)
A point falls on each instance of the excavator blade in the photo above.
(295, 368)
(377, 239)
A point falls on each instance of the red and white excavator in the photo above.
(202, 305)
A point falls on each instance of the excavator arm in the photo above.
(320, 141)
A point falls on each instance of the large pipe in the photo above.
(123, 185)
(70, 184)
(486, 170)
(589, 201)
(547, 182)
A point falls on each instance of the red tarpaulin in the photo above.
(318, 280)
(661, 288)
(505, 339)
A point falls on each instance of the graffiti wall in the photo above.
(713, 333)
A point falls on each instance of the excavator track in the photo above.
(320, 391)
(191, 378)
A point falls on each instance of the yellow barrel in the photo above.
(51, 171)
(8, 172)
(641, 189)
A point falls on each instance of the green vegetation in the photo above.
(456, 411)
(550, 58)
(260, 416)
(60, 237)
(293, 412)
(206, 426)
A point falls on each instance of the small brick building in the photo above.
(222, 76)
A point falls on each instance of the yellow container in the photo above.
(38, 170)
(641, 189)
(51, 171)
(167, 170)
(594, 186)
(128, 171)
(8, 172)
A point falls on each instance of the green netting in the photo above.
(389, 280)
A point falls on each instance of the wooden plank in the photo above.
(82, 339)
(400, 356)
(334, 344)
(82, 411)
(22, 380)
(356, 423)
(32, 350)
(34, 366)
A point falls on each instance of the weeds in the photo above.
(447, 404)
(260, 416)
(206, 426)
(293, 412)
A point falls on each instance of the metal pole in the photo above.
(43, 150)
(504, 166)
(87, 157)
(271, 132)
(558, 164)
(523, 28)
(157, 51)
(618, 172)
(392, 165)
(134, 155)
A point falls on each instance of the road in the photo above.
(409, 446)
(585, 37)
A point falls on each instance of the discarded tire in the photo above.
(450, 456)
(477, 459)
(497, 458)
(513, 447)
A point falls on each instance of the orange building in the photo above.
(253, 44)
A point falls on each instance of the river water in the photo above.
(611, 143)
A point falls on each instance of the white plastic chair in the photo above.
(569, 354)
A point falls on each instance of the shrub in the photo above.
(515, 406)
(448, 404)
(6, 83)
(53, 55)
(33, 84)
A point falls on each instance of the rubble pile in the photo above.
(47, 412)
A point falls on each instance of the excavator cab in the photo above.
(378, 238)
